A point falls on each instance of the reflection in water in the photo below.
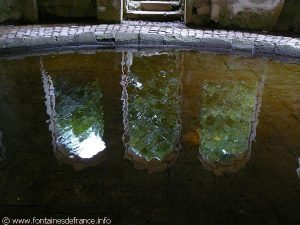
(298, 170)
(76, 116)
(265, 192)
(151, 111)
(2, 148)
(228, 121)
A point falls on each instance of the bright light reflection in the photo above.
(85, 149)
(91, 146)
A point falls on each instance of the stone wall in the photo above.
(60, 10)
(109, 11)
(236, 14)
(10, 10)
(16, 11)
(289, 19)
(275, 15)
(267, 15)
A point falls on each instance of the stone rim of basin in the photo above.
(15, 41)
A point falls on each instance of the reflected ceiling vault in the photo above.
(228, 121)
(151, 110)
(76, 117)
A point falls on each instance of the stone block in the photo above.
(105, 37)
(247, 14)
(109, 11)
(203, 10)
(126, 38)
(13, 43)
(242, 45)
(287, 50)
(87, 38)
(183, 41)
(29, 10)
(66, 40)
(215, 43)
(262, 47)
(40, 41)
(156, 6)
(151, 39)
(170, 40)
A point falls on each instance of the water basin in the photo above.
(128, 132)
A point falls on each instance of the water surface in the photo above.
(148, 137)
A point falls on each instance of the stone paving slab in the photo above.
(18, 39)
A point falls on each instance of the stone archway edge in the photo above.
(21, 39)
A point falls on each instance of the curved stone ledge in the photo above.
(14, 40)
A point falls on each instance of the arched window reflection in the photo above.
(228, 120)
(151, 110)
(76, 116)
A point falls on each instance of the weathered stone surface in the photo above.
(203, 10)
(40, 41)
(264, 47)
(65, 40)
(67, 9)
(151, 39)
(86, 38)
(127, 38)
(105, 37)
(287, 50)
(29, 10)
(289, 19)
(17, 42)
(109, 11)
(253, 15)
(146, 34)
(178, 40)
(216, 6)
(215, 43)
(10, 10)
(201, 3)
(242, 45)
(282, 15)
(156, 6)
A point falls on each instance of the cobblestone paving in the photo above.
(144, 34)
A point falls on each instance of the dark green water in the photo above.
(150, 138)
